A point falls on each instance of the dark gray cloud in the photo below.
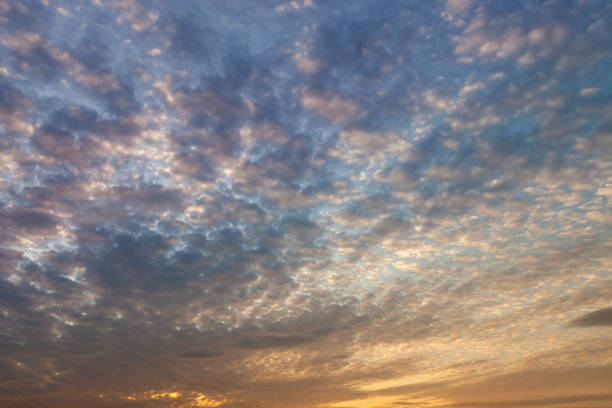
(601, 317)
(264, 342)
(28, 220)
(199, 354)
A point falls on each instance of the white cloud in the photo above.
(335, 107)
(589, 91)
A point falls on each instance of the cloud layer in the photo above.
(305, 204)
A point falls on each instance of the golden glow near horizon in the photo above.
(305, 204)
(366, 403)
(390, 401)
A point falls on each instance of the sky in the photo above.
(306, 204)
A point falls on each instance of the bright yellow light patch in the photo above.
(204, 401)
(161, 395)
(190, 399)
(153, 395)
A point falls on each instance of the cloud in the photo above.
(539, 402)
(29, 220)
(199, 354)
(601, 317)
(264, 342)
(334, 107)
(306, 203)
(589, 91)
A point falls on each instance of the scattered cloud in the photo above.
(305, 204)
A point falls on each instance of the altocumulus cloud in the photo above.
(305, 203)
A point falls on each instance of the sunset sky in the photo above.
(306, 204)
